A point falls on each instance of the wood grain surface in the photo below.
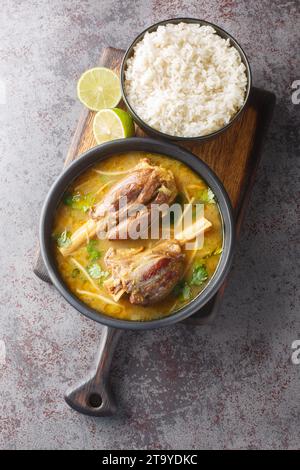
(93, 396)
(234, 156)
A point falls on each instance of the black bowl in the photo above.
(154, 132)
(99, 153)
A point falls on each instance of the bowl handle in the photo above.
(93, 396)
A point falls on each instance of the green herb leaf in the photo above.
(82, 202)
(215, 252)
(92, 250)
(67, 199)
(206, 196)
(210, 196)
(186, 292)
(199, 275)
(64, 239)
(183, 291)
(178, 289)
(96, 272)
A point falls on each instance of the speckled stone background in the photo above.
(229, 385)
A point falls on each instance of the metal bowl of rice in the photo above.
(185, 79)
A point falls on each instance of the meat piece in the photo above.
(146, 184)
(147, 276)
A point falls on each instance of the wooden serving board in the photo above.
(234, 156)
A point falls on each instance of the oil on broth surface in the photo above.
(89, 188)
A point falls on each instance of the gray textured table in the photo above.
(229, 385)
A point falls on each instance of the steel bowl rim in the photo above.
(106, 150)
(163, 135)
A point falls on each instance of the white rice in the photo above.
(185, 80)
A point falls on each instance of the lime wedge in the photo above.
(99, 88)
(111, 124)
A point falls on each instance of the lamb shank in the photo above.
(148, 276)
(146, 184)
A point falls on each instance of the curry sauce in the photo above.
(84, 271)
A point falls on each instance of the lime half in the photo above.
(111, 124)
(99, 88)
